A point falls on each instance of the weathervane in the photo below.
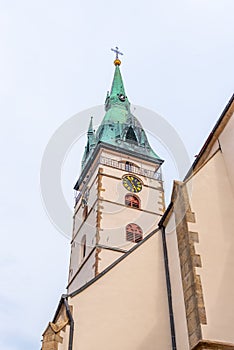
(117, 61)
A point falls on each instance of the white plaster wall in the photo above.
(150, 197)
(127, 307)
(114, 221)
(213, 203)
(88, 182)
(92, 186)
(88, 229)
(176, 286)
(80, 222)
(85, 275)
(78, 215)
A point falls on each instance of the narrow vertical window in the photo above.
(134, 233)
(83, 247)
(127, 166)
(85, 212)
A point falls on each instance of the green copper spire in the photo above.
(117, 85)
(117, 95)
(119, 127)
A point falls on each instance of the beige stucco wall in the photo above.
(176, 286)
(226, 140)
(106, 258)
(127, 308)
(64, 333)
(213, 203)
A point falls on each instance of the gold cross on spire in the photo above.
(117, 61)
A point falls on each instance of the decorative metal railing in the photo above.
(123, 166)
(130, 168)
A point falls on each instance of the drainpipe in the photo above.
(69, 315)
(168, 282)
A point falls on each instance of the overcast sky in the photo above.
(55, 62)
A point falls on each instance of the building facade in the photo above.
(140, 276)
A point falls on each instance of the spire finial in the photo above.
(117, 61)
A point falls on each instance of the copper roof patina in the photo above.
(119, 126)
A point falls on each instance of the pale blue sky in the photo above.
(56, 61)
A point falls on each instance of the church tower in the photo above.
(141, 277)
(120, 197)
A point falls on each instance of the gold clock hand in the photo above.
(133, 184)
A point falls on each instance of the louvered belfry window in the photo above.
(134, 233)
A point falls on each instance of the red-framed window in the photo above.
(132, 200)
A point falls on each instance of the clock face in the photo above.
(132, 183)
(122, 97)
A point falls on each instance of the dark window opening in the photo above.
(131, 136)
(129, 166)
(101, 132)
(83, 247)
(132, 201)
(134, 233)
(85, 212)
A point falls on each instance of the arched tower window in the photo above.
(131, 136)
(134, 233)
(83, 247)
(132, 200)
